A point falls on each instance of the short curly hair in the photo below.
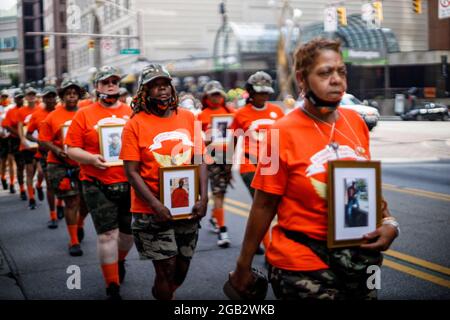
(306, 54)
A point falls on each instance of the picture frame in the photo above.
(179, 189)
(30, 144)
(110, 139)
(354, 201)
(64, 130)
(220, 134)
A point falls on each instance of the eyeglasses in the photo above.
(108, 81)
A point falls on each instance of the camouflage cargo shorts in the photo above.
(107, 214)
(219, 177)
(316, 285)
(159, 241)
(64, 182)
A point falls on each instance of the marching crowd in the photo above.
(55, 136)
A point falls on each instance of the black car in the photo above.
(427, 111)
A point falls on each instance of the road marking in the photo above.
(417, 192)
(389, 263)
(416, 273)
(419, 262)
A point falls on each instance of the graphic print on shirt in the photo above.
(319, 166)
(258, 129)
(174, 148)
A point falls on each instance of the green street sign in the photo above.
(130, 51)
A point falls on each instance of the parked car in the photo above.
(427, 111)
(369, 114)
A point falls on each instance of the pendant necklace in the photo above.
(360, 151)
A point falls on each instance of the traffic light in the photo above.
(45, 42)
(342, 16)
(91, 44)
(378, 7)
(417, 6)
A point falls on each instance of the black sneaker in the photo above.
(52, 224)
(23, 196)
(113, 292)
(75, 250)
(260, 251)
(60, 212)
(32, 204)
(122, 271)
(12, 189)
(223, 238)
(80, 234)
(40, 193)
(214, 226)
(4, 184)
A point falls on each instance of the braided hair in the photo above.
(142, 101)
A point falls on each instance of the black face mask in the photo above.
(317, 102)
(108, 99)
(154, 105)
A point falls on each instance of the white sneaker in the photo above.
(223, 239)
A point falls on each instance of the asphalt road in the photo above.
(416, 267)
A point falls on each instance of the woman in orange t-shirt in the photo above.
(219, 171)
(159, 134)
(105, 187)
(252, 122)
(49, 95)
(63, 172)
(292, 185)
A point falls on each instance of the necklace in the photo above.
(334, 145)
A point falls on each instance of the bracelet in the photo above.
(393, 222)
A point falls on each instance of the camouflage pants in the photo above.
(219, 177)
(316, 285)
(106, 214)
(159, 241)
(57, 173)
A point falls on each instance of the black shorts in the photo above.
(4, 148)
(28, 155)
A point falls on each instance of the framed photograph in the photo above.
(179, 189)
(110, 138)
(219, 129)
(354, 201)
(64, 130)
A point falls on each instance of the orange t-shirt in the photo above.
(35, 121)
(12, 119)
(24, 116)
(180, 198)
(301, 181)
(83, 134)
(255, 123)
(205, 116)
(159, 142)
(84, 103)
(51, 131)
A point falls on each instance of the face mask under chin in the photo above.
(328, 106)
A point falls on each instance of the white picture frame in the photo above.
(110, 139)
(185, 178)
(220, 132)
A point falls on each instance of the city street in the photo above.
(416, 183)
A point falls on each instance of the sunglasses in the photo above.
(108, 81)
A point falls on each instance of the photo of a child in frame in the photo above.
(114, 144)
(222, 127)
(356, 203)
(179, 191)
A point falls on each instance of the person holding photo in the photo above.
(220, 176)
(160, 134)
(105, 188)
(49, 95)
(300, 265)
(252, 121)
(63, 172)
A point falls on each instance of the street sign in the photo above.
(130, 51)
(330, 20)
(444, 9)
